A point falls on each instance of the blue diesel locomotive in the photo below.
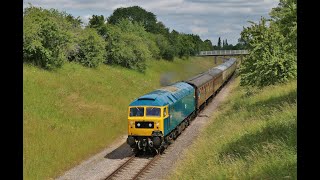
(157, 118)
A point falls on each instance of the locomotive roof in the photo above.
(164, 96)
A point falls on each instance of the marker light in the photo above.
(131, 123)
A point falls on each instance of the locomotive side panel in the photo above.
(180, 109)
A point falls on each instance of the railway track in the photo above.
(137, 165)
(133, 168)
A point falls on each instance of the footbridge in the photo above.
(223, 53)
(227, 53)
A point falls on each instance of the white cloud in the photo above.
(199, 30)
(198, 22)
(85, 18)
(207, 18)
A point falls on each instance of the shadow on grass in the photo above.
(277, 101)
(255, 141)
(121, 152)
(270, 103)
(280, 171)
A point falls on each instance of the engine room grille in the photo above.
(144, 124)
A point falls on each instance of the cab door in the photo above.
(166, 119)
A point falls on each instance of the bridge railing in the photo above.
(223, 52)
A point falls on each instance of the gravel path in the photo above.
(101, 165)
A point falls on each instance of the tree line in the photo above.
(128, 37)
(226, 46)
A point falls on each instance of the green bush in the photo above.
(46, 37)
(165, 49)
(126, 49)
(138, 29)
(269, 61)
(91, 48)
(272, 47)
(168, 53)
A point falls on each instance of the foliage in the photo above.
(126, 48)
(175, 42)
(132, 36)
(98, 23)
(207, 45)
(166, 50)
(219, 43)
(47, 37)
(91, 48)
(76, 22)
(138, 29)
(135, 14)
(272, 48)
(285, 17)
(187, 46)
(160, 28)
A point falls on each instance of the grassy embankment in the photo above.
(251, 136)
(75, 112)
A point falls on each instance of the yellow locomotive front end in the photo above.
(144, 120)
(145, 126)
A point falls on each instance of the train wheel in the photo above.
(187, 122)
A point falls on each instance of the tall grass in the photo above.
(74, 112)
(252, 136)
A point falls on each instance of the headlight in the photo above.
(138, 125)
(157, 123)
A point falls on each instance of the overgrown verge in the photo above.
(252, 136)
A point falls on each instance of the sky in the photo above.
(210, 19)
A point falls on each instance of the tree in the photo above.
(139, 30)
(160, 28)
(207, 45)
(136, 14)
(219, 43)
(166, 50)
(285, 17)
(126, 48)
(98, 23)
(91, 48)
(269, 61)
(76, 22)
(47, 37)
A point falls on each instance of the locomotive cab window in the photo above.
(165, 112)
(153, 111)
(136, 111)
